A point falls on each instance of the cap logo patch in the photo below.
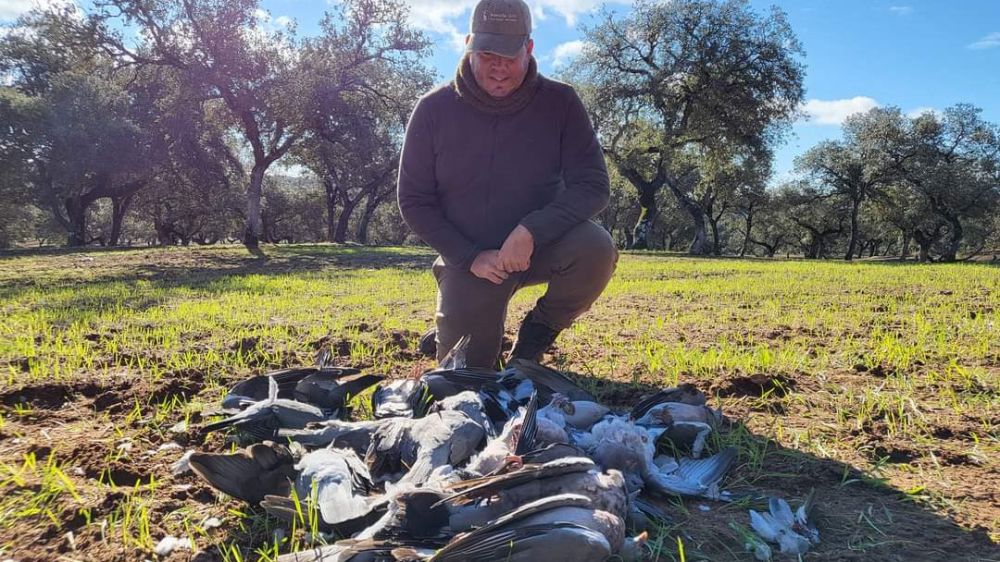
(501, 17)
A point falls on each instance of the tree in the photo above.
(671, 82)
(771, 228)
(196, 196)
(221, 47)
(724, 180)
(89, 136)
(817, 213)
(260, 74)
(854, 168)
(954, 168)
(355, 117)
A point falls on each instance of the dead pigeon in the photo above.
(548, 381)
(362, 551)
(578, 414)
(419, 446)
(792, 532)
(693, 478)
(617, 443)
(689, 436)
(255, 388)
(261, 420)
(333, 481)
(667, 413)
(567, 475)
(561, 527)
(259, 470)
(471, 404)
(683, 393)
(402, 398)
(332, 392)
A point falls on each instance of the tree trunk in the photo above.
(904, 250)
(340, 235)
(371, 205)
(254, 226)
(924, 242)
(331, 209)
(852, 244)
(76, 212)
(955, 242)
(746, 237)
(699, 246)
(647, 216)
(119, 207)
(716, 245)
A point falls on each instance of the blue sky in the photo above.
(918, 55)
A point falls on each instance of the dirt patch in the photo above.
(52, 396)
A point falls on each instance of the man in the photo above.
(501, 173)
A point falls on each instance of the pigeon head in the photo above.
(636, 549)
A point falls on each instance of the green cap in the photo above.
(501, 27)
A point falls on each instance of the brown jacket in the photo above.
(466, 178)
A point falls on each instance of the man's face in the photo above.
(500, 76)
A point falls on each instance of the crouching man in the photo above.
(501, 173)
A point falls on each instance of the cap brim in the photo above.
(496, 43)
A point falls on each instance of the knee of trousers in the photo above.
(592, 250)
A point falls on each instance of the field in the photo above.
(877, 384)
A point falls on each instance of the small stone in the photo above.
(704, 508)
(211, 523)
(179, 427)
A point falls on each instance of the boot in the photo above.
(533, 339)
(428, 343)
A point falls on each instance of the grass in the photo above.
(887, 372)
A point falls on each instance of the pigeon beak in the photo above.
(643, 537)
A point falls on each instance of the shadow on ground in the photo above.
(860, 517)
(202, 269)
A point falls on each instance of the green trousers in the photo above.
(577, 268)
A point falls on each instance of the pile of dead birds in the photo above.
(465, 464)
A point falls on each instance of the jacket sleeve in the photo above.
(587, 187)
(417, 193)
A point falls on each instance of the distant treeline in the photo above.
(187, 121)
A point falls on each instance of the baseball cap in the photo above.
(501, 27)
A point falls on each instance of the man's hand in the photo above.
(487, 266)
(515, 254)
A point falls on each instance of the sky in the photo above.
(916, 55)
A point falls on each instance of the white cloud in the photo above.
(901, 10)
(11, 9)
(564, 52)
(834, 112)
(990, 41)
